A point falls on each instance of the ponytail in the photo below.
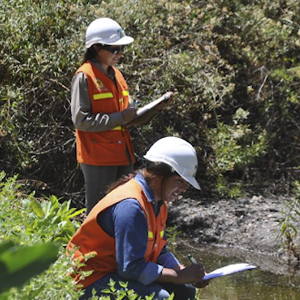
(90, 54)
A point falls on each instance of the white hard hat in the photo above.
(178, 154)
(106, 31)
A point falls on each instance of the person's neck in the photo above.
(105, 67)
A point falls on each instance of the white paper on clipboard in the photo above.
(143, 112)
(153, 104)
(228, 270)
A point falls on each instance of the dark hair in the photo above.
(91, 53)
(159, 170)
(119, 182)
(151, 172)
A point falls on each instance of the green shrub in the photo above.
(217, 57)
(18, 226)
(234, 147)
(289, 232)
(33, 260)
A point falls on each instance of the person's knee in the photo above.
(162, 295)
(189, 292)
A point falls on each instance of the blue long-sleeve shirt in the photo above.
(126, 222)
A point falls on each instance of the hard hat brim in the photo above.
(125, 40)
(192, 181)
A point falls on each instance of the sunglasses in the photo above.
(113, 50)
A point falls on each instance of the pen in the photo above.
(136, 102)
(192, 259)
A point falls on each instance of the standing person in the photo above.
(100, 109)
(126, 229)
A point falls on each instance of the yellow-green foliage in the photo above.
(39, 245)
(217, 57)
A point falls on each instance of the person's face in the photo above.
(173, 187)
(110, 55)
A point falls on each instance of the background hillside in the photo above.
(233, 65)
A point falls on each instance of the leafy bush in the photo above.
(38, 57)
(235, 147)
(18, 227)
(46, 221)
(33, 260)
(52, 220)
(289, 232)
(217, 57)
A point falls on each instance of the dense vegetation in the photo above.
(33, 235)
(233, 65)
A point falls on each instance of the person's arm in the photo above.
(172, 270)
(126, 222)
(190, 274)
(81, 110)
(167, 259)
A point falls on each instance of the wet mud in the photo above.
(248, 227)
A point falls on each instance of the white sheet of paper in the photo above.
(152, 104)
(143, 112)
(230, 269)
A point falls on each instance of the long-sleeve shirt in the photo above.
(126, 222)
(81, 108)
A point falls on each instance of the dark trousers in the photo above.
(98, 178)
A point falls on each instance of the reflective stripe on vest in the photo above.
(102, 96)
(108, 95)
(117, 128)
(150, 234)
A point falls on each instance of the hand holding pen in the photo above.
(200, 283)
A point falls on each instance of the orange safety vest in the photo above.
(90, 238)
(105, 148)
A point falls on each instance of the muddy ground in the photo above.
(250, 226)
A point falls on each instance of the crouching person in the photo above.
(126, 229)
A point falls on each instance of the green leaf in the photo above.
(283, 228)
(76, 213)
(37, 208)
(5, 246)
(20, 263)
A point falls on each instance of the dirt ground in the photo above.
(251, 225)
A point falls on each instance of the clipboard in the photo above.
(146, 112)
(228, 270)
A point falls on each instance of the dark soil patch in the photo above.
(249, 224)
